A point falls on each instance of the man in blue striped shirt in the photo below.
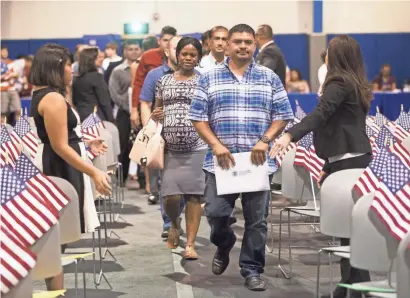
(239, 106)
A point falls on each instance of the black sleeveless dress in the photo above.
(51, 163)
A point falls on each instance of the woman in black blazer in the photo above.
(338, 123)
(90, 89)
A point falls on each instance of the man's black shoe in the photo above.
(221, 259)
(232, 220)
(164, 233)
(152, 199)
(255, 283)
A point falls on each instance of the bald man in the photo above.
(270, 54)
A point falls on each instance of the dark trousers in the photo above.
(255, 211)
(350, 274)
(124, 127)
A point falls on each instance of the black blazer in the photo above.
(90, 90)
(271, 57)
(338, 122)
(110, 68)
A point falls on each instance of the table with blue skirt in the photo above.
(389, 104)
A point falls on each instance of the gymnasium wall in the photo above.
(371, 16)
(66, 19)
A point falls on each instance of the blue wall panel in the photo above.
(16, 47)
(295, 47)
(377, 49)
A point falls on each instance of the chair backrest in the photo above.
(403, 268)
(48, 251)
(113, 130)
(110, 157)
(296, 180)
(24, 289)
(368, 247)
(336, 203)
(70, 227)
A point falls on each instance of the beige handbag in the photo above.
(155, 150)
(137, 153)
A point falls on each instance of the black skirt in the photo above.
(54, 165)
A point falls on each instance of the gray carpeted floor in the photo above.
(144, 267)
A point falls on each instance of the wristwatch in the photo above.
(265, 139)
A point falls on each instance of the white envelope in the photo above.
(244, 177)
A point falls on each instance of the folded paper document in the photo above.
(243, 177)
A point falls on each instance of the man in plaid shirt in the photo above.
(239, 107)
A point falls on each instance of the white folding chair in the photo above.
(297, 183)
(70, 229)
(48, 251)
(403, 268)
(336, 207)
(370, 249)
(24, 289)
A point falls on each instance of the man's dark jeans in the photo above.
(255, 211)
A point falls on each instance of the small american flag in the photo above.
(307, 158)
(392, 199)
(22, 212)
(404, 120)
(380, 119)
(299, 113)
(28, 137)
(90, 128)
(384, 138)
(10, 151)
(369, 180)
(371, 127)
(398, 131)
(401, 152)
(16, 261)
(40, 184)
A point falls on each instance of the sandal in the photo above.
(173, 238)
(190, 253)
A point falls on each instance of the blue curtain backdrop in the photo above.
(378, 49)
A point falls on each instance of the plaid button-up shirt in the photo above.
(239, 112)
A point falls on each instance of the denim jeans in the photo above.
(255, 211)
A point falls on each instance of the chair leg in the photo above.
(318, 274)
(280, 247)
(270, 249)
(84, 280)
(76, 278)
(331, 275)
(290, 246)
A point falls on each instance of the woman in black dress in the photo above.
(338, 123)
(59, 130)
(90, 89)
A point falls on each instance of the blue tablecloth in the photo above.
(388, 103)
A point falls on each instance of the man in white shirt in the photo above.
(111, 55)
(218, 38)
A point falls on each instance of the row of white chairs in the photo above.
(340, 215)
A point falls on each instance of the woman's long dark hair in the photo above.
(86, 61)
(345, 61)
(48, 67)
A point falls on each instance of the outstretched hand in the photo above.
(280, 145)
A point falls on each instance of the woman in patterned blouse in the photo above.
(182, 175)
